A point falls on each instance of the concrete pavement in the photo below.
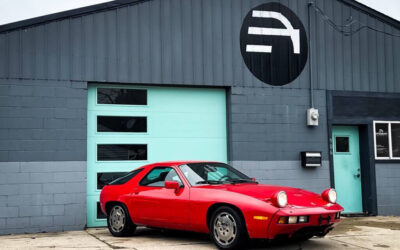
(351, 233)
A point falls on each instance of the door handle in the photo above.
(136, 190)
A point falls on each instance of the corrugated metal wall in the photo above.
(195, 42)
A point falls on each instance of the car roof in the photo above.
(173, 163)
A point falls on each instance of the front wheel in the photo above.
(119, 222)
(227, 229)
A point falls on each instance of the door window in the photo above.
(342, 144)
(158, 176)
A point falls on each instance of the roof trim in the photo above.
(118, 3)
(369, 11)
(67, 14)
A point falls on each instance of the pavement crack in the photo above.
(108, 244)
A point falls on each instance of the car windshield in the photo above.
(212, 173)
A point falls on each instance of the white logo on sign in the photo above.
(294, 34)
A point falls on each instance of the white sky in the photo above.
(387, 7)
(16, 10)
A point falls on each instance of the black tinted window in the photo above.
(396, 139)
(121, 124)
(382, 139)
(157, 177)
(100, 214)
(342, 144)
(121, 152)
(122, 96)
(105, 178)
(124, 179)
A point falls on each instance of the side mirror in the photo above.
(172, 185)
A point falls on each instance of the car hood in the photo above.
(296, 196)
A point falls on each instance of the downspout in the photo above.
(310, 3)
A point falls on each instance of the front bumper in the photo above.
(319, 224)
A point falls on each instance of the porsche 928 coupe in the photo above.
(215, 198)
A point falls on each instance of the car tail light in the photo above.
(280, 199)
(329, 195)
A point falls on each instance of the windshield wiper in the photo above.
(209, 182)
(242, 181)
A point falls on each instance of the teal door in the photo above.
(346, 162)
(130, 126)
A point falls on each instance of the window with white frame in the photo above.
(387, 139)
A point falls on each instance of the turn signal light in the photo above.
(282, 220)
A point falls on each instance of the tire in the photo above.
(119, 222)
(228, 229)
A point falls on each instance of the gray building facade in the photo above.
(47, 64)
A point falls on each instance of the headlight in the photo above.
(280, 199)
(329, 195)
(332, 195)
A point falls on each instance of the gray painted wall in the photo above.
(195, 42)
(388, 188)
(42, 196)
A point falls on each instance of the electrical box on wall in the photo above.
(311, 159)
(312, 117)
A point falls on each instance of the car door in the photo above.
(154, 205)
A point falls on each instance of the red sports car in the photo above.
(215, 198)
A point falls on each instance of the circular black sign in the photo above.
(273, 43)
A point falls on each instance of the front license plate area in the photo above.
(324, 220)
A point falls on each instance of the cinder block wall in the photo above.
(388, 188)
(42, 196)
(42, 156)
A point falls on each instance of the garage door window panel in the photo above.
(123, 124)
(99, 214)
(121, 96)
(121, 152)
(115, 178)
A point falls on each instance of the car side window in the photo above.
(157, 177)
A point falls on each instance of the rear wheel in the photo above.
(227, 229)
(119, 222)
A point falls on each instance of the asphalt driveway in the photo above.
(351, 233)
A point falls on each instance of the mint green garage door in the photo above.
(130, 126)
